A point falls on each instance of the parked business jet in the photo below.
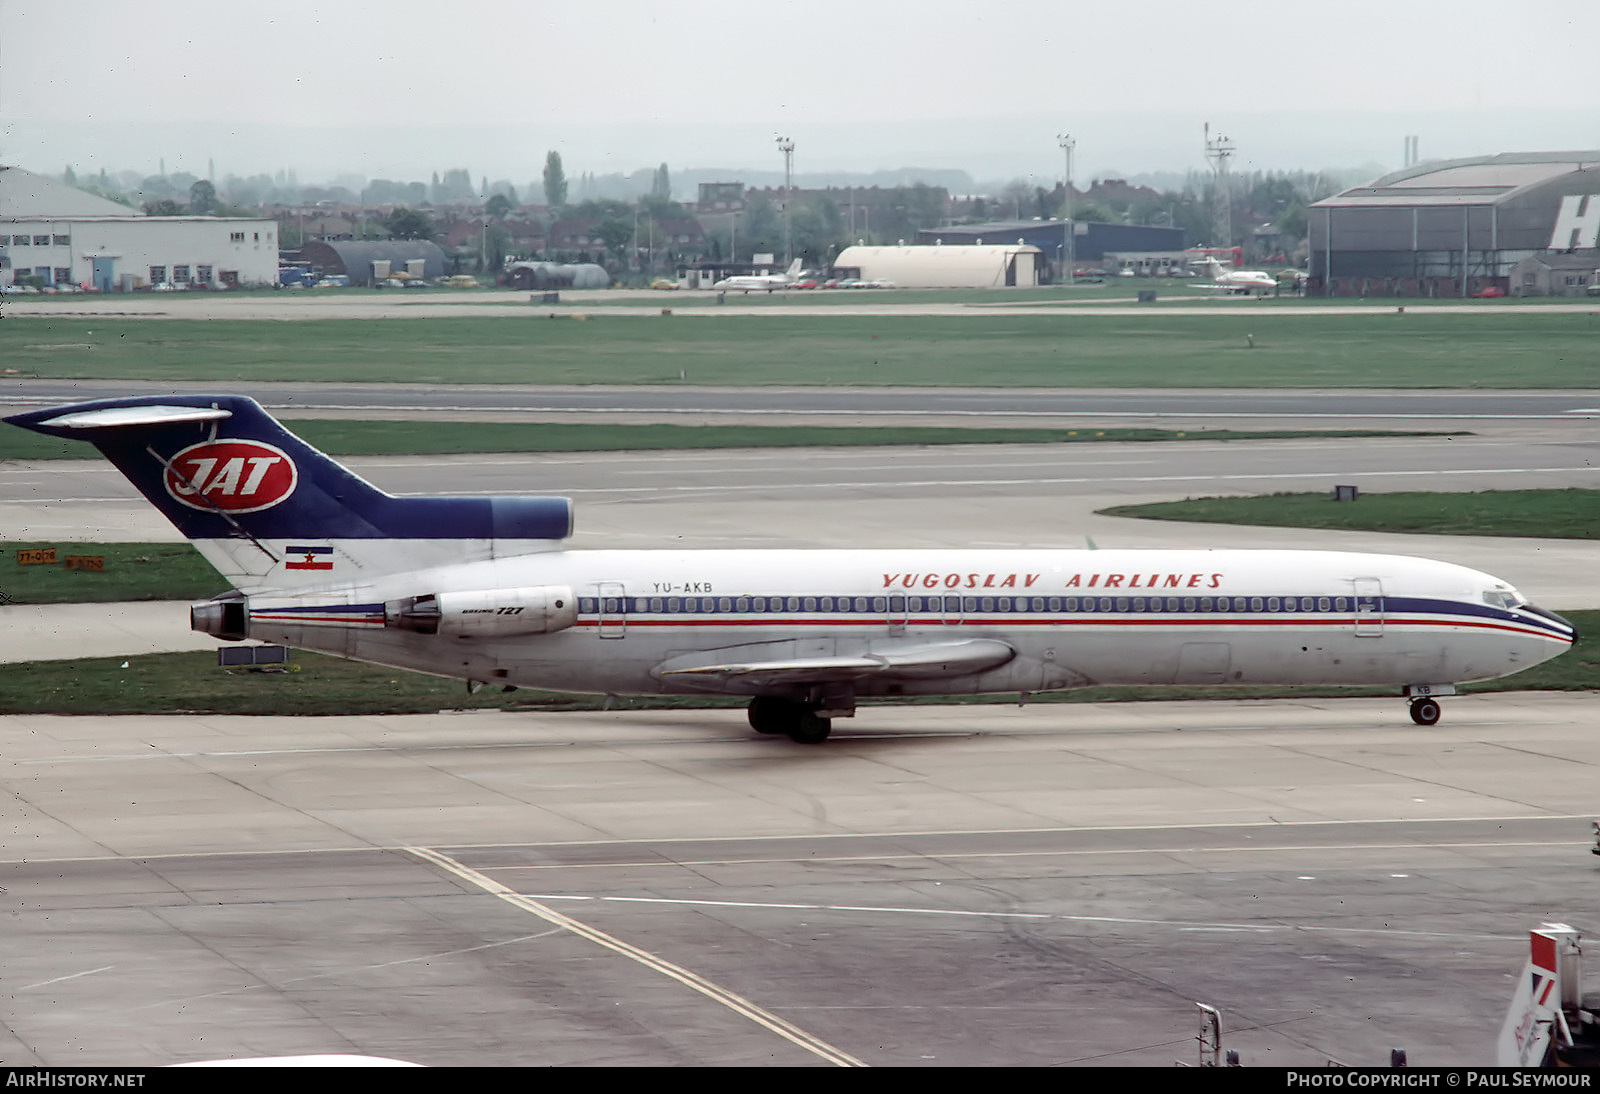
(1235, 281)
(767, 282)
(483, 589)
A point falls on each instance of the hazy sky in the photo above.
(401, 88)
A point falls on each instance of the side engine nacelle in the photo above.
(486, 613)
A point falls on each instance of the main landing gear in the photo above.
(798, 721)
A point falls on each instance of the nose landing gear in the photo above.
(1424, 701)
(1424, 711)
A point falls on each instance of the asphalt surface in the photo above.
(1045, 886)
(1560, 411)
(939, 886)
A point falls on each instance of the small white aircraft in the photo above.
(1235, 281)
(767, 282)
(483, 589)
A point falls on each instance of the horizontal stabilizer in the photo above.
(928, 661)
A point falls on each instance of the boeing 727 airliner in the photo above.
(485, 590)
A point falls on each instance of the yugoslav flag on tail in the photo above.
(269, 511)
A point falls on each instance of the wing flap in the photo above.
(926, 661)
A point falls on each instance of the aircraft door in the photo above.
(1369, 607)
(899, 613)
(613, 609)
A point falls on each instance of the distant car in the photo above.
(417, 283)
(162, 286)
(461, 281)
(806, 283)
(334, 281)
(1489, 292)
(1126, 273)
(880, 283)
(665, 284)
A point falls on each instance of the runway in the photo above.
(1044, 886)
(1543, 413)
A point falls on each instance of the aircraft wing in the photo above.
(920, 662)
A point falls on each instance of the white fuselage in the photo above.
(644, 622)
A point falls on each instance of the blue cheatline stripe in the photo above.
(1038, 611)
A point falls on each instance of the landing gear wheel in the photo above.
(769, 714)
(1425, 712)
(797, 721)
(810, 729)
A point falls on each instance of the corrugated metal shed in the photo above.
(354, 257)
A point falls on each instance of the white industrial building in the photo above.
(980, 266)
(65, 236)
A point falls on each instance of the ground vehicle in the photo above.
(666, 284)
(334, 281)
(460, 281)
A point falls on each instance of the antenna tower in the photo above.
(1218, 151)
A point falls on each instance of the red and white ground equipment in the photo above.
(1550, 1022)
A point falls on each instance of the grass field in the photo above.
(1509, 347)
(1548, 514)
(340, 437)
(191, 683)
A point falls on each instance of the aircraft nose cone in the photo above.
(1560, 621)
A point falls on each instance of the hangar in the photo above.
(938, 267)
(63, 236)
(1457, 227)
(1090, 239)
(370, 261)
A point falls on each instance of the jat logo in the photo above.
(233, 476)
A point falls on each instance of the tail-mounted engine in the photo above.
(486, 613)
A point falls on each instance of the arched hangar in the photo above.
(1456, 228)
(984, 266)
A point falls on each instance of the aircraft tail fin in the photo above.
(269, 510)
(794, 269)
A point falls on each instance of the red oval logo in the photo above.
(233, 476)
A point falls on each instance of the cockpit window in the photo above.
(1502, 598)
